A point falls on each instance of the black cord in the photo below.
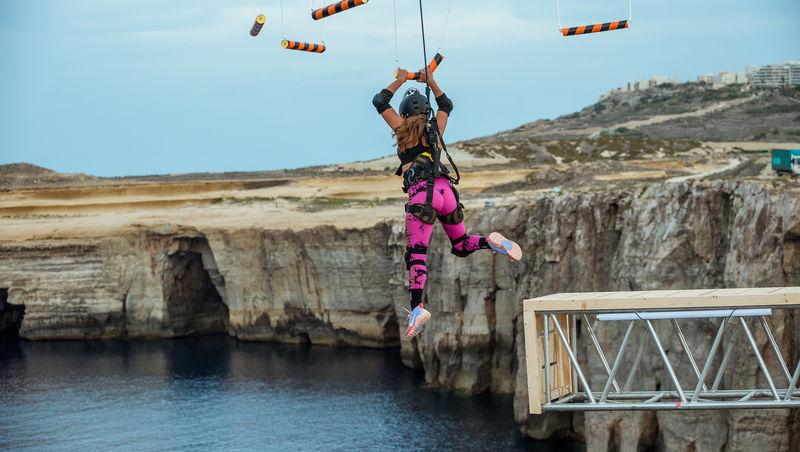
(433, 126)
(424, 53)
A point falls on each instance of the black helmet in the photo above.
(414, 103)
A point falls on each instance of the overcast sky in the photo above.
(156, 86)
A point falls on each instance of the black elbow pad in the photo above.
(381, 100)
(444, 103)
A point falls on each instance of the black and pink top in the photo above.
(409, 155)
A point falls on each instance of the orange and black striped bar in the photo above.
(336, 8)
(303, 46)
(435, 62)
(596, 28)
(258, 24)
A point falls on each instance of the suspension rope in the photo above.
(324, 23)
(446, 22)
(396, 44)
(283, 29)
(558, 13)
(260, 19)
(630, 14)
(424, 53)
(630, 10)
(433, 127)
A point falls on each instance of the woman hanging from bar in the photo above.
(416, 167)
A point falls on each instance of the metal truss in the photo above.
(702, 390)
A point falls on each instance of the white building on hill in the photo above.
(769, 76)
(777, 75)
(794, 73)
(724, 79)
(641, 85)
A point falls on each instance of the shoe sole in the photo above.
(414, 332)
(496, 240)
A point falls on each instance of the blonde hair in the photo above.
(411, 132)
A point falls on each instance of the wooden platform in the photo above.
(665, 299)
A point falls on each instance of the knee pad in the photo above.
(415, 250)
(454, 217)
(423, 212)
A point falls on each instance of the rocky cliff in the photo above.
(346, 287)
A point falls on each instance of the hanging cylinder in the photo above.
(257, 25)
(303, 46)
(336, 8)
(435, 62)
(594, 28)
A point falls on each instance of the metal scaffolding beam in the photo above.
(558, 381)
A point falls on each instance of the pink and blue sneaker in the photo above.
(502, 245)
(417, 318)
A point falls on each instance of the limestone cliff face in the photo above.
(347, 287)
(320, 286)
(671, 236)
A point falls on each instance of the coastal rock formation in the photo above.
(346, 287)
(322, 286)
(313, 286)
(10, 316)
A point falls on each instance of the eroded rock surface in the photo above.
(347, 287)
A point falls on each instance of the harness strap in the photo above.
(452, 163)
(429, 191)
(419, 250)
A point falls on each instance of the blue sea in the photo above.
(214, 393)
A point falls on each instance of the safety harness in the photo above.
(427, 166)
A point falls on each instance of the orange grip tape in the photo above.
(432, 66)
(594, 28)
(303, 46)
(336, 8)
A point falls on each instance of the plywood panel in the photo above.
(667, 299)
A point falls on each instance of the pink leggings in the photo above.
(418, 233)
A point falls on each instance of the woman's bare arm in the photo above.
(390, 115)
(441, 116)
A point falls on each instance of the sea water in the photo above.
(214, 393)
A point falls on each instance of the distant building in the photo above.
(659, 80)
(727, 78)
(706, 79)
(749, 73)
(741, 77)
(794, 73)
(777, 75)
(770, 76)
(724, 79)
(641, 85)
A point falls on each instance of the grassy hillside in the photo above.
(659, 122)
